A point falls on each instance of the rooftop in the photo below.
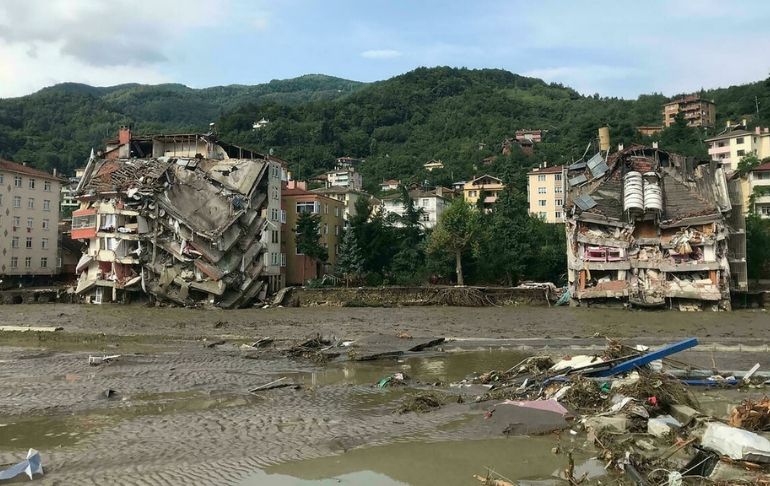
(730, 134)
(554, 169)
(9, 166)
(762, 168)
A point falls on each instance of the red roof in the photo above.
(554, 169)
(23, 169)
(762, 168)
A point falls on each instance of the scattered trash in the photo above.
(736, 443)
(392, 380)
(97, 360)
(662, 425)
(31, 328)
(109, 393)
(30, 466)
(279, 383)
(422, 402)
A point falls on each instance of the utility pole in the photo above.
(756, 102)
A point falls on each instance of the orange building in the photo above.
(296, 199)
(696, 111)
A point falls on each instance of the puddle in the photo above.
(429, 464)
(428, 368)
(46, 432)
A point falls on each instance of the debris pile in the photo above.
(637, 408)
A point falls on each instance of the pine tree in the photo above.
(351, 260)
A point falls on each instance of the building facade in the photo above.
(430, 203)
(29, 222)
(545, 193)
(653, 229)
(696, 111)
(530, 135)
(345, 177)
(755, 188)
(348, 197)
(296, 199)
(732, 145)
(487, 186)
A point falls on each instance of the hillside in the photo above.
(57, 126)
(459, 116)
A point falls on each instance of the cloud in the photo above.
(381, 54)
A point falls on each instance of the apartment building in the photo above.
(29, 222)
(487, 186)
(344, 177)
(431, 203)
(545, 193)
(296, 199)
(349, 197)
(732, 145)
(696, 111)
(755, 189)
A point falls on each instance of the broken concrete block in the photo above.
(661, 426)
(613, 424)
(683, 413)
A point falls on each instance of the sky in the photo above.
(619, 48)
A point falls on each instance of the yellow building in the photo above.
(485, 185)
(730, 147)
(545, 193)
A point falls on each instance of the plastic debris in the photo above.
(97, 360)
(736, 443)
(30, 466)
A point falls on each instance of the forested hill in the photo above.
(57, 126)
(459, 116)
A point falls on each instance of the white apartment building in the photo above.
(732, 145)
(344, 177)
(29, 221)
(432, 203)
(545, 193)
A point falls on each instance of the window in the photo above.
(46, 224)
(557, 190)
(337, 212)
(274, 214)
(541, 202)
(30, 223)
(43, 262)
(15, 242)
(16, 222)
(17, 201)
(424, 202)
(29, 242)
(16, 181)
(557, 177)
(541, 178)
(306, 207)
(28, 262)
(541, 190)
(426, 217)
(274, 236)
(283, 216)
(741, 153)
(32, 183)
(337, 229)
(765, 210)
(559, 202)
(46, 205)
(14, 262)
(1, 178)
(283, 259)
(558, 214)
(1, 199)
(47, 186)
(44, 243)
(739, 140)
(31, 203)
(542, 215)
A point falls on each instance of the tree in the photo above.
(747, 164)
(351, 261)
(308, 229)
(757, 246)
(457, 230)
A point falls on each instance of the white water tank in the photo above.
(633, 195)
(653, 194)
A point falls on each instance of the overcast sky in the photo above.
(613, 47)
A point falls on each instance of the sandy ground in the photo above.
(182, 413)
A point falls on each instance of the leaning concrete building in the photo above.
(184, 218)
(649, 228)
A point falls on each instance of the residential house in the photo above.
(529, 135)
(348, 162)
(179, 217)
(296, 199)
(431, 203)
(649, 228)
(730, 146)
(487, 186)
(545, 192)
(29, 222)
(696, 111)
(262, 123)
(390, 185)
(432, 165)
(344, 177)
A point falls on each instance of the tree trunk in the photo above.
(459, 267)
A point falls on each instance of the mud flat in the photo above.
(180, 410)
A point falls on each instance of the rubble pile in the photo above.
(638, 410)
(187, 230)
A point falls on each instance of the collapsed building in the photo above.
(651, 228)
(184, 218)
